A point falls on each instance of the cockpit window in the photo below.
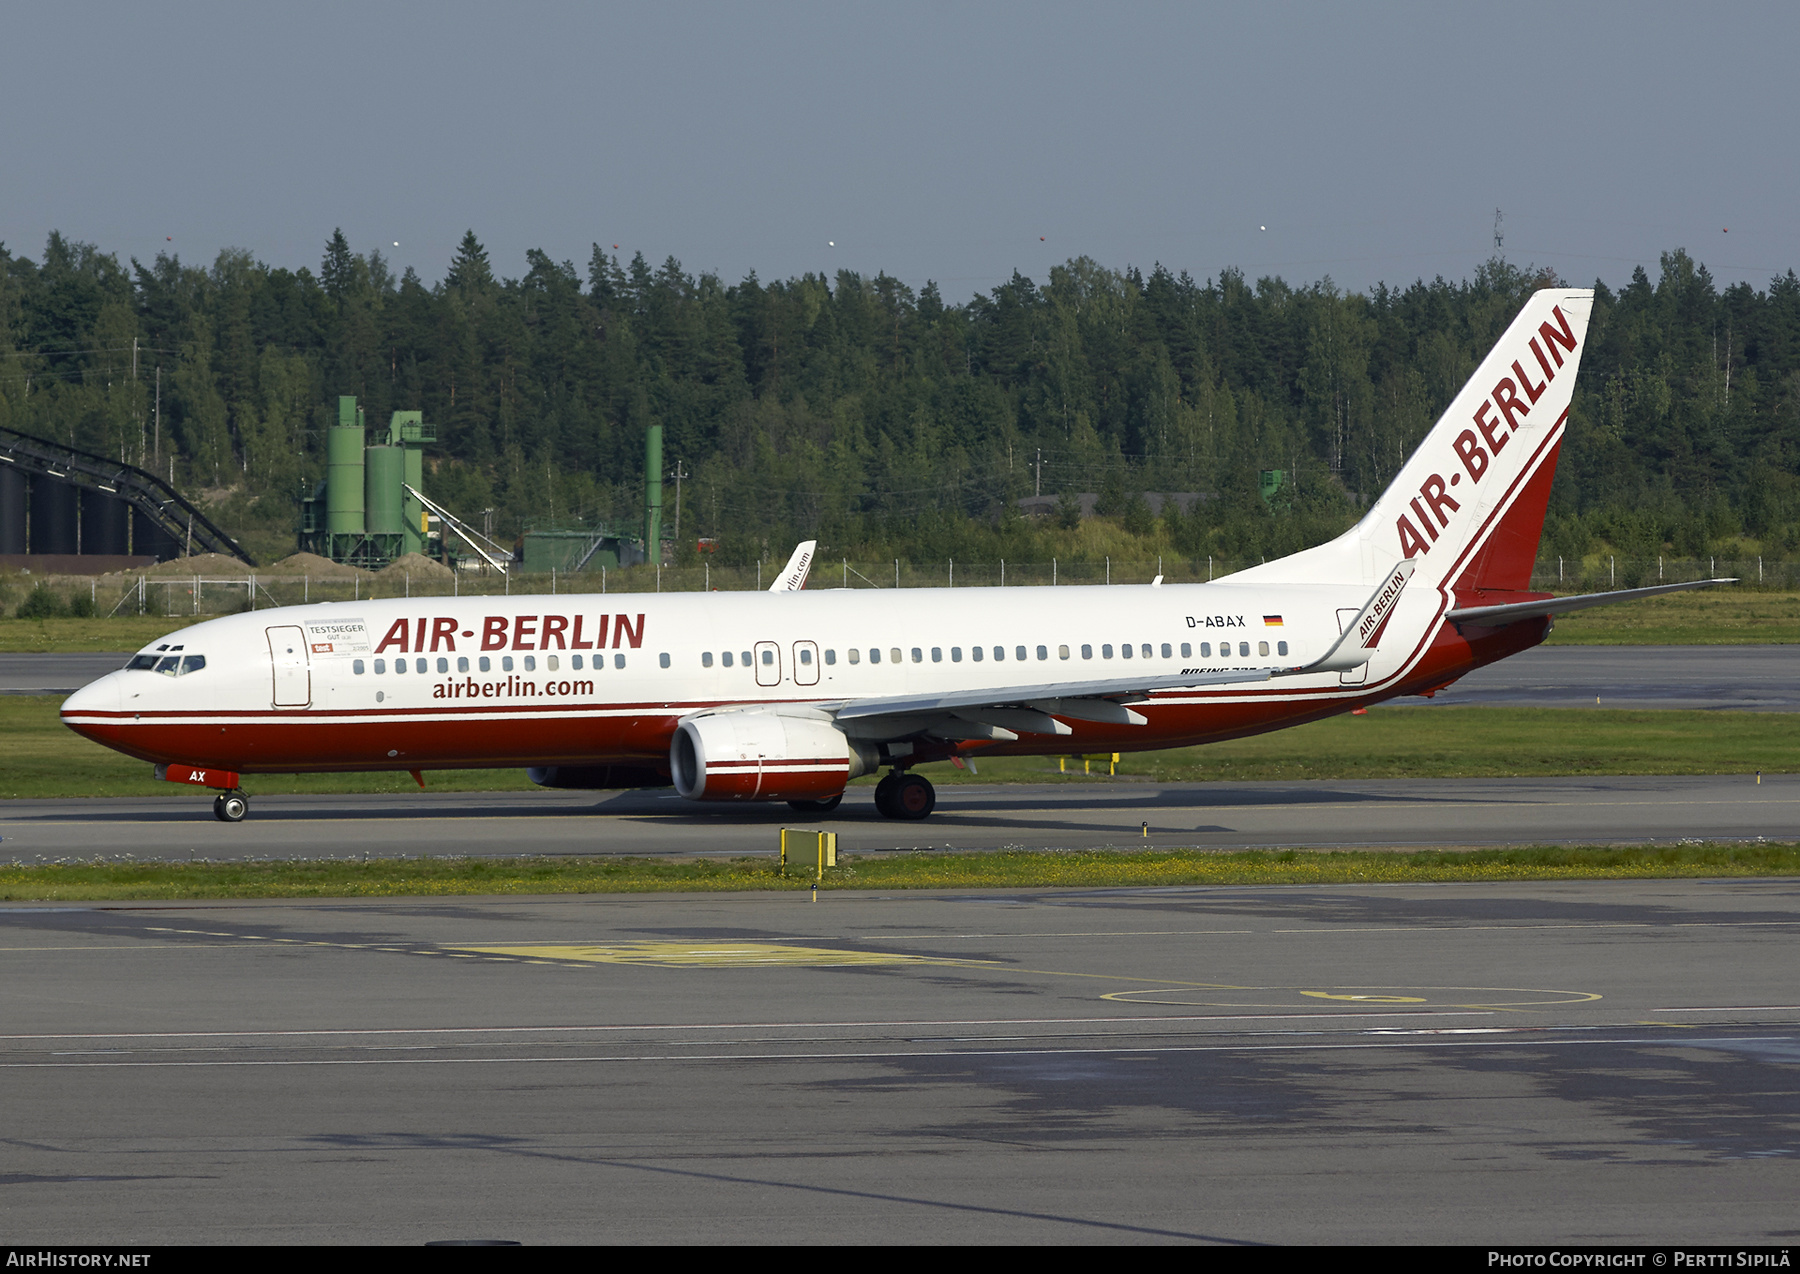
(170, 665)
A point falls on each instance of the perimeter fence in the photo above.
(161, 592)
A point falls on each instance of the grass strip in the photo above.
(113, 880)
(1707, 617)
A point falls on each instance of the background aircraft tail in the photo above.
(1468, 506)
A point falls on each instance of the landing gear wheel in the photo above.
(230, 807)
(817, 807)
(884, 794)
(914, 798)
(905, 796)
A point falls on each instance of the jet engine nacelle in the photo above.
(752, 754)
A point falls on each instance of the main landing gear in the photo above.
(818, 807)
(905, 796)
(230, 807)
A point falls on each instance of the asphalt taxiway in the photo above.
(1375, 813)
(1579, 1062)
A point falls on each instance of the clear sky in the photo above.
(955, 142)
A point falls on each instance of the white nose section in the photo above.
(97, 696)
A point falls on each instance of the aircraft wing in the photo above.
(1003, 712)
(1508, 612)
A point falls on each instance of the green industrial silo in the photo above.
(344, 481)
(408, 430)
(384, 473)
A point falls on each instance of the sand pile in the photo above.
(211, 565)
(418, 566)
(314, 565)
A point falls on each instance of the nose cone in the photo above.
(92, 710)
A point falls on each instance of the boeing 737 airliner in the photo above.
(787, 695)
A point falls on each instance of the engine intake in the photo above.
(758, 755)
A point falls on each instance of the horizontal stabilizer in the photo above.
(1508, 612)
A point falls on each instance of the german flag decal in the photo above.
(1271, 621)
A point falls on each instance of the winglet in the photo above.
(1360, 638)
(793, 576)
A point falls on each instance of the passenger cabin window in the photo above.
(918, 655)
(1019, 652)
(484, 663)
(745, 655)
(662, 660)
(1243, 650)
(573, 659)
(874, 654)
(1167, 650)
(725, 658)
(381, 666)
(976, 653)
(894, 655)
(1125, 650)
(1087, 652)
(1206, 650)
(1262, 647)
(1281, 648)
(1105, 651)
(937, 654)
(619, 661)
(506, 663)
(462, 663)
(444, 664)
(999, 653)
(768, 658)
(855, 655)
(705, 659)
(550, 661)
(1146, 650)
(1043, 652)
(530, 664)
(830, 658)
(1187, 649)
(356, 666)
(1062, 652)
(956, 654)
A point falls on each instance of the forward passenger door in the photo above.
(293, 678)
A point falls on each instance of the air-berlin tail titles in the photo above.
(1496, 418)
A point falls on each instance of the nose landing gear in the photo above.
(230, 807)
(905, 796)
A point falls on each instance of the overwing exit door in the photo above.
(293, 677)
